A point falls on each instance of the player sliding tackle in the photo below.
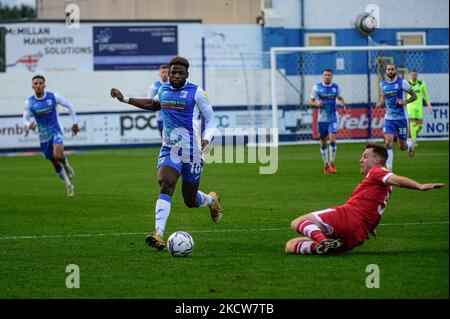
(340, 229)
(181, 104)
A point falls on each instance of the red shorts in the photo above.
(342, 224)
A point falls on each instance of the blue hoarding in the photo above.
(133, 47)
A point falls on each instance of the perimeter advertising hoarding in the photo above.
(133, 47)
(126, 128)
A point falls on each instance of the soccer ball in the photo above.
(180, 244)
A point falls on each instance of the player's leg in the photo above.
(419, 121)
(167, 179)
(58, 151)
(58, 154)
(332, 139)
(413, 130)
(389, 133)
(323, 136)
(402, 144)
(324, 153)
(65, 162)
(309, 226)
(402, 133)
(301, 246)
(169, 169)
(193, 197)
(318, 233)
(389, 141)
(51, 153)
(419, 126)
(63, 176)
(412, 112)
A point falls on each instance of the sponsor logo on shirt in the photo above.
(44, 111)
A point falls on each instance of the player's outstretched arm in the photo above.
(314, 96)
(381, 102)
(201, 99)
(68, 105)
(27, 117)
(342, 102)
(426, 96)
(412, 98)
(405, 182)
(146, 104)
(312, 102)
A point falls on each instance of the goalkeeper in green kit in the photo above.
(415, 109)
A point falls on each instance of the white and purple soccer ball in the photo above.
(180, 244)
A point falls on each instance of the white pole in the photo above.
(273, 68)
(360, 48)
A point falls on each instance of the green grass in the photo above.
(242, 257)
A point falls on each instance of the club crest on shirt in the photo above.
(183, 94)
(49, 102)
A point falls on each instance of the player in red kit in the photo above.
(342, 228)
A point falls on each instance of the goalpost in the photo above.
(358, 71)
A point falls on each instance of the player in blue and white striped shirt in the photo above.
(323, 96)
(394, 91)
(182, 104)
(43, 107)
(164, 79)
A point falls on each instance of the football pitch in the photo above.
(102, 229)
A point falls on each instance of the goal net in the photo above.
(358, 71)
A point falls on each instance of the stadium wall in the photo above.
(294, 18)
(330, 14)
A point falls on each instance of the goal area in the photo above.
(358, 71)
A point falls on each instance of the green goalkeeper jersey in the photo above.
(421, 91)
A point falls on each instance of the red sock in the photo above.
(305, 247)
(311, 230)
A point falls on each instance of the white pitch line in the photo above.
(194, 231)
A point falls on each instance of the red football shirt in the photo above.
(369, 199)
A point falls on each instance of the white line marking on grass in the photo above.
(193, 231)
(407, 224)
(303, 157)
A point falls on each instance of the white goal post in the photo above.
(358, 70)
